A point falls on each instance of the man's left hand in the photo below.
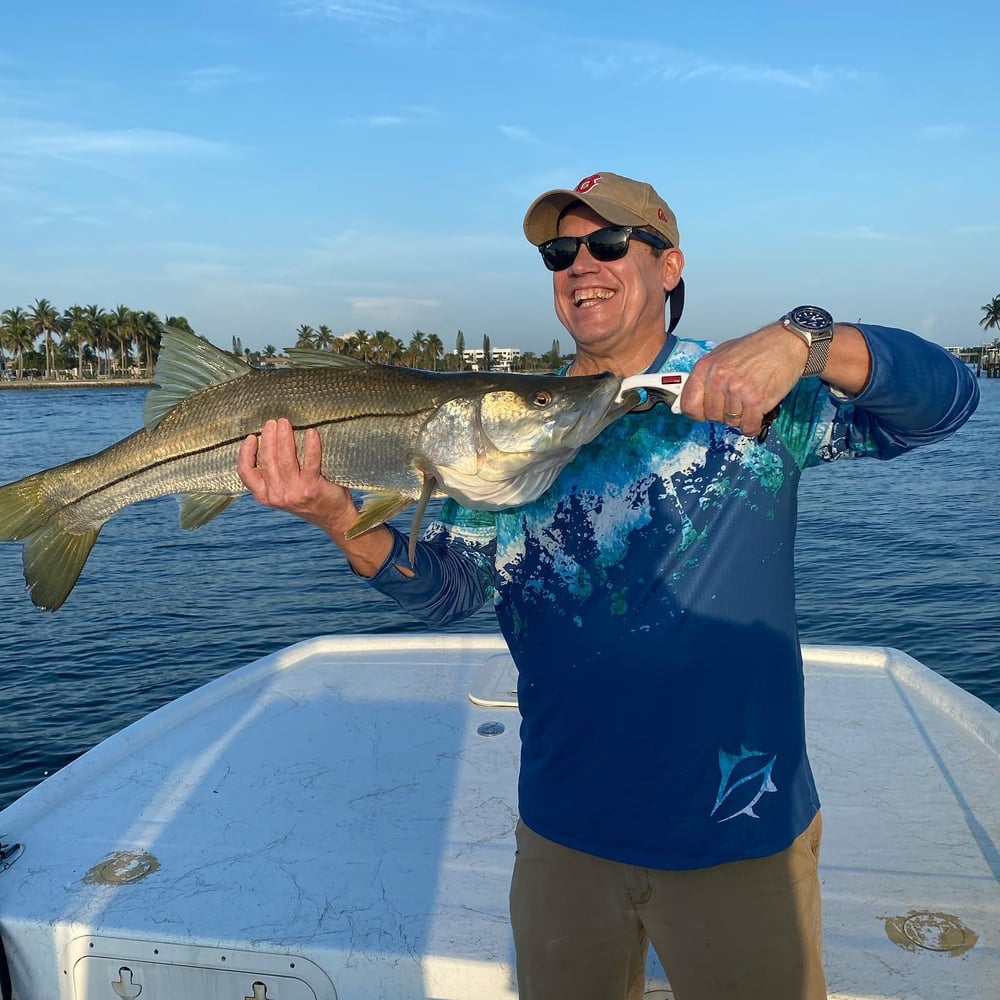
(741, 380)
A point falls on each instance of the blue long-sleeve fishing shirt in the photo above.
(648, 601)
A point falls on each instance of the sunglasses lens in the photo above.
(559, 253)
(608, 244)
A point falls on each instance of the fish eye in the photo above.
(541, 398)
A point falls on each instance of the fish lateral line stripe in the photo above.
(227, 442)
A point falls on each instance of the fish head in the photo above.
(505, 444)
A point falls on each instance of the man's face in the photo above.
(613, 305)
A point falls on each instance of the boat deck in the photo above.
(336, 821)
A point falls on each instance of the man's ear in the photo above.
(672, 264)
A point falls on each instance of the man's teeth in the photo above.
(590, 295)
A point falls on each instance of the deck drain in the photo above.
(924, 930)
(122, 867)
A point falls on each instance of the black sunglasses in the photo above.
(610, 243)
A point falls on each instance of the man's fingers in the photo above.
(312, 453)
(246, 464)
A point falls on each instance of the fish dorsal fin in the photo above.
(311, 357)
(186, 364)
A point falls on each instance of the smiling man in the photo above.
(648, 601)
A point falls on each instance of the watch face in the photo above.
(811, 317)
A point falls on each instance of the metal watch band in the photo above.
(819, 354)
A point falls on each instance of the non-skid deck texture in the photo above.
(337, 809)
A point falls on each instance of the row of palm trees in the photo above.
(425, 350)
(84, 340)
(81, 339)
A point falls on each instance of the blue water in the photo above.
(905, 554)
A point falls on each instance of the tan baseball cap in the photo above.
(620, 200)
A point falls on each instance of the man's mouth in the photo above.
(584, 298)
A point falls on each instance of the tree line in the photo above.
(90, 340)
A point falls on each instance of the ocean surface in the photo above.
(904, 553)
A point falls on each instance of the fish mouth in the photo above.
(605, 409)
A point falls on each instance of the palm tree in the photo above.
(414, 355)
(147, 338)
(15, 331)
(388, 350)
(358, 345)
(991, 319)
(324, 338)
(43, 319)
(181, 323)
(122, 326)
(435, 350)
(93, 318)
(306, 336)
(77, 329)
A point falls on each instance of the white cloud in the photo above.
(27, 138)
(358, 12)
(519, 134)
(938, 133)
(808, 78)
(857, 233)
(201, 81)
(407, 115)
(976, 229)
(372, 12)
(390, 312)
(664, 62)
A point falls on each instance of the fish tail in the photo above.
(53, 557)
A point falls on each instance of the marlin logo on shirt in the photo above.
(745, 778)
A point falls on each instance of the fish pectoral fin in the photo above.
(199, 508)
(53, 559)
(376, 510)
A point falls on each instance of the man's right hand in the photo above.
(271, 469)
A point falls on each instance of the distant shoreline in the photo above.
(77, 383)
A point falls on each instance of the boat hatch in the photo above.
(119, 967)
(494, 684)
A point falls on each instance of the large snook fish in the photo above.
(490, 440)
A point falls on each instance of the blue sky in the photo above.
(259, 164)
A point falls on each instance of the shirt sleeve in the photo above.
(453, 576)
(917, 393)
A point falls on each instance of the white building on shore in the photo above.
(503, 359)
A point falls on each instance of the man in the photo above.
(648, 601)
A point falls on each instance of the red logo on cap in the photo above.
(587, 183)
(661, 216)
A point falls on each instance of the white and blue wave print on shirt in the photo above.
(746, 778)
(571, 542)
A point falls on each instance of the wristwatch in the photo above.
(815, 327)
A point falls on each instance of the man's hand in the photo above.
(741, 380)
(273, 472)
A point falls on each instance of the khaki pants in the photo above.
(749, 929)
